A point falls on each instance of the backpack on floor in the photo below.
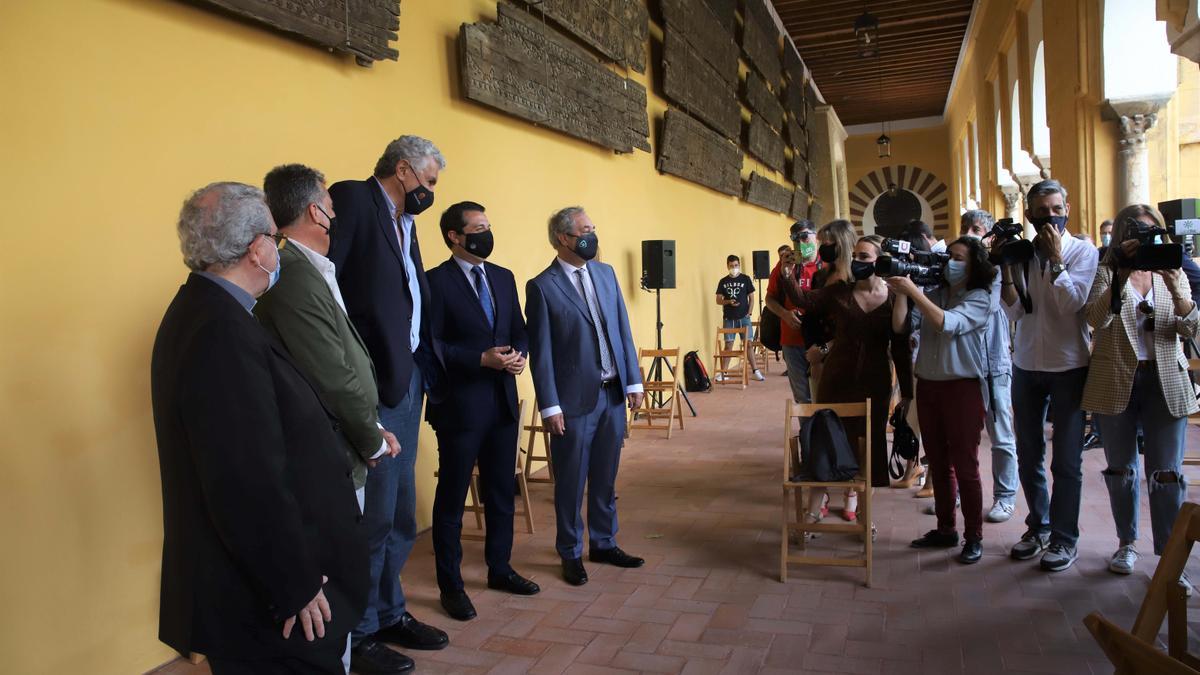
(825, 452)
(695, 377)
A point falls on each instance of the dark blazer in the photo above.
(258, 501)
(374, 285)
(461, 334)
(302, 314)
(565, 358)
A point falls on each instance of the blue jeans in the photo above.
(1004, 441)
(1057, 515)
(389, 515)
(797, 371)
(744, 322)
(1163, 459)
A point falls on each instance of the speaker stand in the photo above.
(656, 366)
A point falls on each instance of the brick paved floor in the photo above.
(704, 509)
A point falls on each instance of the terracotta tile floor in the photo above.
(704, 509)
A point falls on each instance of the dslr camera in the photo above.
(903, 250)
(1008, 247)
(1153, 252)
(921, 274)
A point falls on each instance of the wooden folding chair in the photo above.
(537, 430)
(1130, 655)
(475, 506)
(762, 355)
(662, 399)
(1192, 458)
(741, 371)
(793, 490)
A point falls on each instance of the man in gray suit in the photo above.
(585, 369)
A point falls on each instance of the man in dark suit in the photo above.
(480, 334)
(374, 246)
(584, 368)
(261, 530)
(305, 313)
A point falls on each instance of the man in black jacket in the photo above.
(378, 259)
(264, 560)
(480, 334)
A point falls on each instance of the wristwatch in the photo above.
(1057, 269)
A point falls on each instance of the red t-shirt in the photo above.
(805, 271)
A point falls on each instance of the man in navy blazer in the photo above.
(378, 259)
(585, 367)
(479, 330)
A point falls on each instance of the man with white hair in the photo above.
(378, 260)
(264, 566)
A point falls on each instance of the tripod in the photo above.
(656, 366)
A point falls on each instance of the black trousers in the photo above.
(494, 445)
(326, 660)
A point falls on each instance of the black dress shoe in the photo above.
(972, 551)
(458, 605)
(412, 634)
(573, 572)
(935, 539)
(514, 583)
(614, 556)
(370, 657)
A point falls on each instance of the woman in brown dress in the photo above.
(870, 338)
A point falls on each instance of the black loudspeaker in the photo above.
(762, 264)
(658, 263)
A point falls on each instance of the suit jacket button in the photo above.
(336, 426)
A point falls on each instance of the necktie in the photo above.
(606, 365)
(485, 296)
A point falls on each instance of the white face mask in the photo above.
(1105, 239)
(939, 247)
(734, 271)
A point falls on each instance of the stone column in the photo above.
(1012, 202)
(1134, 185)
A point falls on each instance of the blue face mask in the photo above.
(273, 275)
(956, 272)
(1059, 222)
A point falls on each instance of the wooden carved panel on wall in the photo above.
(797, 136)
(364, 29)
(760, 41)
(794, 103)
(800, 172)
(793, 65)
(726, 13)
(799, 204)
(619, 29)
(815, 211)
(525, 68)
(762, 101)
(692, 151)
(700, 65)
(768, 194)
(765, 143)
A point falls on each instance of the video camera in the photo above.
(1182, 217)
(1008, 248)
(921, 275)
(903, 250)
(1153, 252)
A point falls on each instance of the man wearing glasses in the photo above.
(265, 562)
(802, 265)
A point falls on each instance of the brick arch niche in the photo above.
(918, 194)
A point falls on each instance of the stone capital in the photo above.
(1134, 128)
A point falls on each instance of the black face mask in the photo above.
(479, 243)
(417, 199)
(1059, 222)
(861, 270)
(332, 223)
(586, 246)
(828, 253)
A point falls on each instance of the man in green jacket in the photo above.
(304, 310)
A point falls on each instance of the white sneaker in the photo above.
(1187, 585)
(1001, 511)
(1124, 560)
(759, 376)
(720, 377)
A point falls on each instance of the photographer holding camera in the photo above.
(1138, 375)
(1050, 358)
(951, 378)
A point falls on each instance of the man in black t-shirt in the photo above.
(735, 293)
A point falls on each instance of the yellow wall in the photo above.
(114, 110)
(927, 148)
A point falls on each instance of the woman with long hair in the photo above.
(951, 385)
(837, 239)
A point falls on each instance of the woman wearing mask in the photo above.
(836, 251)
(1138, 377)
(870, 338)
(951, 374)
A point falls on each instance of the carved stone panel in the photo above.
(362, 28)
(700, 28)
(799, 204)
(765, 143)
(797, 136)
(800, 172)
(725, 11)
(763, 101)
(794, 103)
(696, 86)
(768, 194)
(793, 65)
(694, 152)
(760, 41)
(618, 29)
(527, 69)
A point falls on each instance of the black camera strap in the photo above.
(1023, 290)
(1116, 293)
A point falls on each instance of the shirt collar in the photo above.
(569, 268)
(465, 266)
(240, 294)
(386, 197)
(319, 261)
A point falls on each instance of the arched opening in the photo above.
(1041, 129)
(977, 192)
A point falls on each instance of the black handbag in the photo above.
(770, 327)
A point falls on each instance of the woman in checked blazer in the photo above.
(1138, 379)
